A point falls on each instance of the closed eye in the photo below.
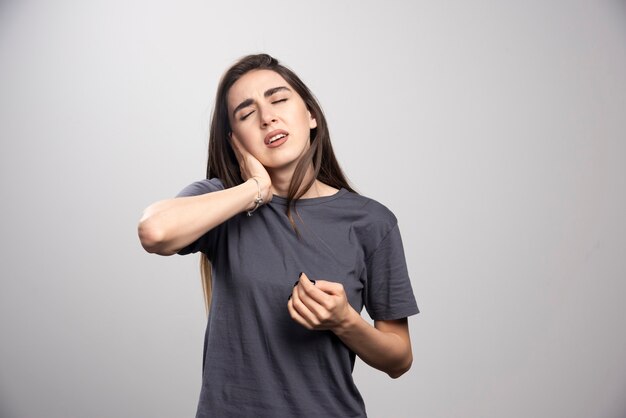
(279, 101)
(244, 117)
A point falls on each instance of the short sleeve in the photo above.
(207, 242)
(388, 292)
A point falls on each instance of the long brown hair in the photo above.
(222, 162)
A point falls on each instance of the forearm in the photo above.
(387, 351)
(169, 225)
(323, 305)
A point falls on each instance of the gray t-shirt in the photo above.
(258, 362)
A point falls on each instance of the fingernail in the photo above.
(300, 275)
(289, 298)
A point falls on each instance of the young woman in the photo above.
(294, 254)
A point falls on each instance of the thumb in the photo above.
(332, 288)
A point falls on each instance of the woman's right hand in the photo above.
(250, 167)
(168, 225)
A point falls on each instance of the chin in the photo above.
(277, 165)
(283, 161)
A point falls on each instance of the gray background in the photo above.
(495, 130)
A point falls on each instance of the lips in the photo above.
(276, 135)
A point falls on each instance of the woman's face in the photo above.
(269, 118)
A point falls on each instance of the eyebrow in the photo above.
(267, 93)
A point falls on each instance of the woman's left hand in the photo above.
(323, 305)
(319, 305)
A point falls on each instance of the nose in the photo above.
(267, 117)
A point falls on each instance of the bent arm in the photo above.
(385, 346)
(169, 225)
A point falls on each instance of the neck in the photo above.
(282, 179)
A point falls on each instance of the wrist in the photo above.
(265, 185)
(257, 199)
(348, 322)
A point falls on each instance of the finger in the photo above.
(302, 309)
(315, 299)
(330, 288)
(296, 316)
(321, 312)
(309, 285)
(324, 292)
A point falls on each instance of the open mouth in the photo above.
(276, 138)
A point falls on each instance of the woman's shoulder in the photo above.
(201, 187)
(370, 219)
(372, 209)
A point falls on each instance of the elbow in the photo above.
(402, 368)
(152, 237)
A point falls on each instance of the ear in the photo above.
(234, 144)
(312, 121)
(232, 137)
